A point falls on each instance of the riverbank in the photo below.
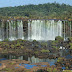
(16, 65)
(56, 55)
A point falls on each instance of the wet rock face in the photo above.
(13, 29)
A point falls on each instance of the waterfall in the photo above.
(16, 30)
(12, 30)
(70, 29)
(29, 30)
(64, 30)
(34, 29)
(44, 29)
(7, 24)
(20, 30)
(1, 31)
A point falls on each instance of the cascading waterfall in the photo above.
(34, 29)
(7, 29)
(12, 28)
(44, 30)
(1, 32)
(70, 29)
(20, 30)
(67, 29)
(16, 30)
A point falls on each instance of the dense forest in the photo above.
(41, 11)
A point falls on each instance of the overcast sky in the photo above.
(7, 3)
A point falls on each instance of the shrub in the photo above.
(55, 70)
(70, 39)
(55, 47)
(44, 44)
(12, 46)
(11, 63)
(49, 69)
(43, 50)
(36, 52)
(17, 45)
(54, 43)
(59, 39)
(7, 69)
(60, 59)
(34, 40)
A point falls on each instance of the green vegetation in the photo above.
(34, 40)
(70, 39)
(60, 59)
(11, 63)
(55, 48)
(41, 11)
(44, 44)
(7, 69)
(70, 47)
(69, 44)
(43, 50)
(52, 70)
(54, 43)
(36, 52)
(59, 39)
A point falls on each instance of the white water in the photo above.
(37, 29)
(1, 31)
(20, 30)
(13, 33)
(44, 30)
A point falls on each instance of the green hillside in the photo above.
(41, 11)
